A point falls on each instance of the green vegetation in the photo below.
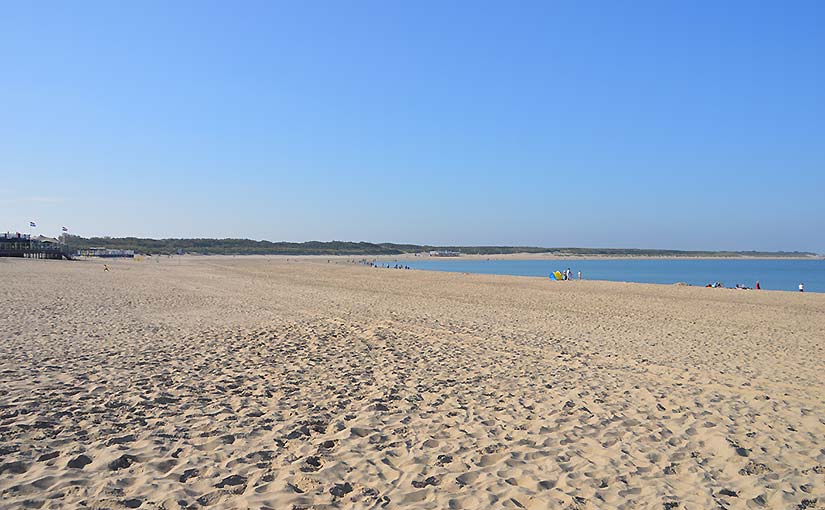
(229, 246)
(251, 247)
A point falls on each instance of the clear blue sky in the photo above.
(688, 125)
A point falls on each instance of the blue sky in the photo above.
(687, 125)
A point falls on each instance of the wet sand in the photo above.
(221, 382)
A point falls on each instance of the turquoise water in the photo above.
(779, 274)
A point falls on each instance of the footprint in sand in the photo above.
(420, 484)
(189, 473)
(48, 456)
(16, 467)
(339, 490)
(122, 462)
(79, 462)
(467, 478)
(311, 464)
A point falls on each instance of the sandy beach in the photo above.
(262, 383)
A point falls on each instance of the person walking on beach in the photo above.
(801, 287)
(757, 285)
(580, 275)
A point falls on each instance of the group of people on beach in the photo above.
(720, 285)
(382, 265)
(387, 266)
(567, 274)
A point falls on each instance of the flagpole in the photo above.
(66, 240)
(32, 226)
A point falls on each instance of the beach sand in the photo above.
(258, 383)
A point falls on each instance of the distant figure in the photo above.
(106, 268)
(580, 275)
(801, 287)
(757, 285)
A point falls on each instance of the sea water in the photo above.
(772, 274)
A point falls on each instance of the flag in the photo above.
(32, 224)
(65, 229)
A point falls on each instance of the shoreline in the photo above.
(678, 280)
(616, 282)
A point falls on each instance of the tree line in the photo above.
(206, 246)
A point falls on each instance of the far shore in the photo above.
(554, 256)
(493, 256)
